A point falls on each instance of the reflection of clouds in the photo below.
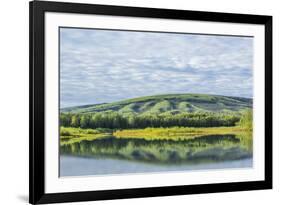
(104, 66)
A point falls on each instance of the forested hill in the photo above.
(174, 103)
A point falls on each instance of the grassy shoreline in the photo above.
(176, 133)
(71, 135)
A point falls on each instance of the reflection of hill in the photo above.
(201, 149)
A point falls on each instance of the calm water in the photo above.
(79, 166)
(118, 156)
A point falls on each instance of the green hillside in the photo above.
(173, 103)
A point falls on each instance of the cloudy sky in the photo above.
(98, 66)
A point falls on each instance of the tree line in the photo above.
(115, 120)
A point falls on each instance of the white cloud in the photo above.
(104, 66)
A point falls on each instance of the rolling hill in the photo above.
(174, 103)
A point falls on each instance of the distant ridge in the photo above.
(174, 103)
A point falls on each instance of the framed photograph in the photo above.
(141, 102)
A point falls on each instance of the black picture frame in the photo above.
(37, 10)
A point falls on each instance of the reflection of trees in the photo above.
(199, 149)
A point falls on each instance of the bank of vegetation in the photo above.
(167, 117)
(115, 120)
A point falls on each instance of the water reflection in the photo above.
(211, 148)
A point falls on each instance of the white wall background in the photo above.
(14, 100)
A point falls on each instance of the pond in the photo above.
(111, 155)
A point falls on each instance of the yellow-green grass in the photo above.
(178, 133)
(69, 135)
